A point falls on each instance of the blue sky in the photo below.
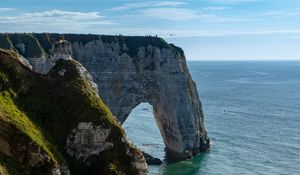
(205, 29)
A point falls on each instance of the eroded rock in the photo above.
(87, 140)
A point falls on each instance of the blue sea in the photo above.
(252, 116)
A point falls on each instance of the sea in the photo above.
(252, 116)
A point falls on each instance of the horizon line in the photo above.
(243, 60)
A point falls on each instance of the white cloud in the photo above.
(183, 14)
(175, 11)
(139, 5)
(63, 15)
(283, 13)
(168, 3)
(2, 9)
(174, 14)
(215, 8)
(55, 19)
(233, 1)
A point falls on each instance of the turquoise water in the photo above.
(252, 115)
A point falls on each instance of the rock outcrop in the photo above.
(152, 160)
(129, 71)
(56, 124)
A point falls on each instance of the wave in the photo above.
(247, 81)
(260, 73)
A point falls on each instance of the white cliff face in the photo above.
(158, 76)
(60, 50)
(87, 140)
(131, 71)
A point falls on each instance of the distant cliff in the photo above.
(57, 124)
(129, 70)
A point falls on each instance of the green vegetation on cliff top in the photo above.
(39, 43)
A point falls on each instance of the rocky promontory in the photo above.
(56, 124)
(128, 70)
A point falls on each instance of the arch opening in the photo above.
(142, 130)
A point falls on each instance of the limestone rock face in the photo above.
(132, 70)
(87, 140)
(61, 50)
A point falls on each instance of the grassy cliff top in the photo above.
(41, 43)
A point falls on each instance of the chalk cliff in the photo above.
(56, 124)
(129, 71)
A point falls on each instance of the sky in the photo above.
(205, 29)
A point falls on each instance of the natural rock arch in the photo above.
(129, 71)
(160, 77)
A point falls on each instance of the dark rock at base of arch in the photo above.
(150, 160)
